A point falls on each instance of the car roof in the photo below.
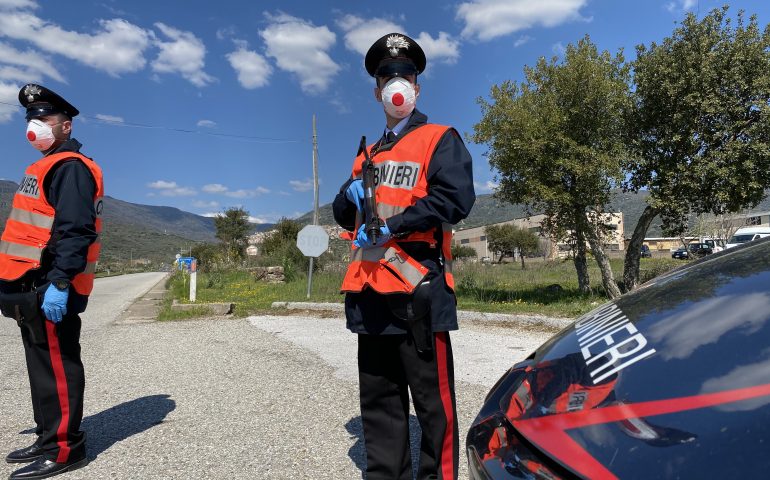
(751, 230)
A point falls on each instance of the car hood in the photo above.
(673, 377)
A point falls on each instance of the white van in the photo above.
(747, 234)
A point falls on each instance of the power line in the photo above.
(179, 130)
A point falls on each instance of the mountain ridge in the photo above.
(488, 210)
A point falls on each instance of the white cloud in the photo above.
(160, 184)
(8, 95)
(558, 49)
(680, 5)
(301, 186)
(20, 4)
(301, 48)
(27, 66)
(203, 204)
(184, 55)
(240, 193)
(252, 68)
(522, 40)
(252, 219)
(246, 193)
(206, 123)
(488, 19)
(116, 46)
(226, 32)
(109, 118)
(214, 188)
(443, 49)
(486, 187)
(361, 33)
(171, 189)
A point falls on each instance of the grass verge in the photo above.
(502, 288)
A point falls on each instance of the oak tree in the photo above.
(557, 143)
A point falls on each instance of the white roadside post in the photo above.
(193, 279)
(312, 241)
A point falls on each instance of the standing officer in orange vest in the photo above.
(400, 291)
(48, 254)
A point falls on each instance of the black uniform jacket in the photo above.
(70, 189)
(449, 200)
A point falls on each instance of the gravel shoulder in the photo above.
(264, 397)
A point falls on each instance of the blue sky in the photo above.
(206, 105)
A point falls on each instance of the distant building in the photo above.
(476, 237)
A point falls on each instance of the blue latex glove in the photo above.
(355, 193)
(363, 241)
(55, 303)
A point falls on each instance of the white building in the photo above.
(476, 237)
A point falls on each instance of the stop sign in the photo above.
(312, 241)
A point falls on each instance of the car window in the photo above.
(741, 238)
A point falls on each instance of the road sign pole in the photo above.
(315, 204)
(310, 277)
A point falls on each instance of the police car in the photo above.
(669, 381)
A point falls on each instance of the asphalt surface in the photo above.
(264, 397)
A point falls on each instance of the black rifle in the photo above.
(372, 221)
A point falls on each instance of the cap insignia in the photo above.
(394, 43)
(31, 91)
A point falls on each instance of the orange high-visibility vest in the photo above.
(28, 228)
(400, 181)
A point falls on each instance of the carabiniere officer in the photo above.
(48, 255)
(399, 287)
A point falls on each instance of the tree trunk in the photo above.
(608, 279)
(584, 282)
(634, 252)
(522, 262)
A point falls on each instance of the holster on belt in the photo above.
(25, 309)
(414, 309)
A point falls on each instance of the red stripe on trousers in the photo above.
(61, 389)
(447, 451)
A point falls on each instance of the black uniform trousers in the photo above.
(57, 382)
(389, 366)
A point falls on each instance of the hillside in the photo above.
(488, 210)
(137, 231)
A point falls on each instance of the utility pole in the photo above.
(315, 202)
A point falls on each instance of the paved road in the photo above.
(264, 397)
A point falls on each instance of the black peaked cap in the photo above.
(394, 54)
(40, 101)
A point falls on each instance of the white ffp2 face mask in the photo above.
(40, 135)
(398, 97)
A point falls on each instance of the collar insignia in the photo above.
(394, 43)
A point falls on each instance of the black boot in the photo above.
(24, 455)
(44, 468)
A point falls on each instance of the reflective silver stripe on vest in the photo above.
(373, 254)
(31, 218)
(411, 273)
(90, 268)
(386, 211)
(22, 251)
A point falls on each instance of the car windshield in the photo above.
(741, 238)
